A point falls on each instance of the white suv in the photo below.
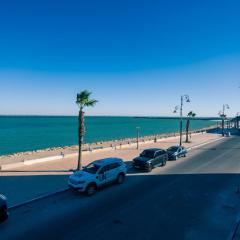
(97, 174)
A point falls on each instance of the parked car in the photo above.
(176, 152)
(150, 158)
(98, 174)
(3, 208)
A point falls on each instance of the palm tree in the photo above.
(83, 100)
(190, 115)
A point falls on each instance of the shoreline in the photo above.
(89, 147)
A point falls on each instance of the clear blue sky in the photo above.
(137, 57)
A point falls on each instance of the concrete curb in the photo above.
(38, 198)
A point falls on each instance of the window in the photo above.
(91, 168)
(160, 153)
(113, 166)
(147, 154)
(103, 170)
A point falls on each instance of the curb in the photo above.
(38, 199)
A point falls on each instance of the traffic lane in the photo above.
(178, 211)
(163, 206)
(66, 209)
(220, 157)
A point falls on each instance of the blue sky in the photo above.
(137, 57)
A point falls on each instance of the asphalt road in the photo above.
(193, 198)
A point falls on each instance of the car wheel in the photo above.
(163, 163)
(184, 155)
(91, 189)
(120, 178)
(175, 158)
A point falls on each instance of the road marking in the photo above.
(203, 144)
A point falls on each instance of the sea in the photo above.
(29, 133)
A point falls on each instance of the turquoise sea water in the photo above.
(18, 134)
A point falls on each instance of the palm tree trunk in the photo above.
(80, 137)
(187, 129)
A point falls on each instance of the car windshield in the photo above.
(172, 149)
(147, 154)
(91, 168)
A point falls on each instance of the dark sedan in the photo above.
(176, 152)
(150, 158)
(3, 208)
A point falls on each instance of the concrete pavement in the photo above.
(193, 198)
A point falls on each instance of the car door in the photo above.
(156, 159)
(102, 176)
(179, 152)
(159, 158)
(163, 156)
(112, 171)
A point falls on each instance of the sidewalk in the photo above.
(39, 179)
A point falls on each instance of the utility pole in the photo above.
(181, 121)
(187, 99)
(223, 116)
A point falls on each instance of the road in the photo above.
(193, 198)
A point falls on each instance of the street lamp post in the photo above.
(223, 115)
(237, 120)
(138, 129)
(186, 99)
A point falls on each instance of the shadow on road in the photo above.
(144, 207)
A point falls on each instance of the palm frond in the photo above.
(91, 103)
(191, 114)
(83, 99)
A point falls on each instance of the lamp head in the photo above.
(176, 109)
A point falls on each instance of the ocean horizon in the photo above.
(30, 133)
